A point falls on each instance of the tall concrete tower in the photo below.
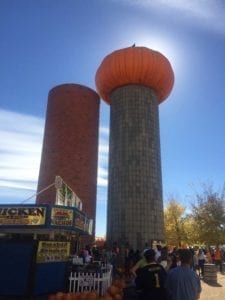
(134, 81)
(70, 147)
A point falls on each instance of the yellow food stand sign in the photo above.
(61, 217)
(14, 216)
(51, 251)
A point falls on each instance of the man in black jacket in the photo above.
(150, 280)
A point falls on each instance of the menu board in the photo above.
(61, 216)
(50, 251)
(79, 220)
(14, 216)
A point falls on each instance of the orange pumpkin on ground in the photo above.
(92, 296)
(113, 290)
(83, 296)
(118, 297)
(59, 296)
(107, 297)
(75, 296)
(120, 283)
(67, 296)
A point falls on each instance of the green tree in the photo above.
(190, 231)
(174, 219)
(209, 216)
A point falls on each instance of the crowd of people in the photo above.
(170, 259)
(160, 274)
(153, 281)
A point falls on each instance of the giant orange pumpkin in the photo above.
(135, 65)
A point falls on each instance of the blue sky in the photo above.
(49, 42)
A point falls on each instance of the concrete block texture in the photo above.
(70, 146)
(135, 205)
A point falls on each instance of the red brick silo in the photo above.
(70, 146)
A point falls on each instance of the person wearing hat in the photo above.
(140, 264)
(150, 280)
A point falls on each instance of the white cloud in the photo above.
(208, 13)
(102, 181)
(103, 151)
(21, 138)
(103, 147)
(104, 131)
(102, 172)
(17, 122)
(102, 176)
(20, 148)
(15, 195)
(18, 184)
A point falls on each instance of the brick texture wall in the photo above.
(70, 145)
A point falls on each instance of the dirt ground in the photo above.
(214, 292)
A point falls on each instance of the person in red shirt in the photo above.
(218, 258)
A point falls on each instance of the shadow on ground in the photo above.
(213, 284)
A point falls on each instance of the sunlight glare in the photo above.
(162, 45)
(161, 42)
